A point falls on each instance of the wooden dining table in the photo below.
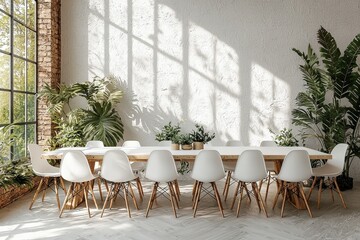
(228, 154)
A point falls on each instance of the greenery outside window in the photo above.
(18, 67)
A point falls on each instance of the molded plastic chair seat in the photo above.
(295, 169)
(332, 168)
(48, 173)
(116, 170)
(75, 168)
(250, 168)
(208, 168)
(161, 168)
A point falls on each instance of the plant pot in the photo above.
(186, 147)
(345, 183)
(175, 146)
(198, 145)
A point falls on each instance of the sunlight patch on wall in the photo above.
(270, 104)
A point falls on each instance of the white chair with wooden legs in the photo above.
(208, 168)
(270, 168)
(161, 168)
(295, 169)
(332, 168)
(97, 167)
(230, 168)
(137, 167)
(117, 171)
(250, 168)
(49, 174)
(75, 168)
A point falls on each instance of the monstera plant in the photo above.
(329, 108)
(98, 121)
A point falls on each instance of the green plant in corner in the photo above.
(335, 120)
(199, 135)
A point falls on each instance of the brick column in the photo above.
(49, 59)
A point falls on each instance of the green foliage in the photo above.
(168, 132)
(199, 135)
(336, 120)
(176, 139)
(185, 139)
(184, 167)
(98, 121)
(15, 170)
(285, 138)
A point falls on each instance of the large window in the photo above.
(18, 64)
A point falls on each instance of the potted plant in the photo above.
(169, 132)
(186, 141)
(200, 137)
(175, 142)
(329, 108)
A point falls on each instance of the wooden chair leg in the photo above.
(280, 185)
(228, 179)
(218, 199)
(240, 199)
(172, 200)
(268, 185)
(319, 193)
(235, 195)
(153, 193)
(331, 187)
(93, 195)
(284, 200)
(177, 188)
(339, 192)
(312, 188)
(56, 192)
(63, 185)
(247, 193)
(46, 181)
(133, 195)
(115, 193)
(195, 188)
(260, 198)
(36, 192)
(109, 193)
(100, 191)
(66, 199)
(304, 197)
(256, 197)
(122, 185)
(86, 199)
(197, 198)
(228, 176)
(140, 188)
(174, 192)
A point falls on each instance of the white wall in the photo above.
(225, 64)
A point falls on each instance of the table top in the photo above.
(227, 153)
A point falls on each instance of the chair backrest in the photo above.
(39, 165)
(74, 167)
(296, 166)
(208, 166)
(95, 144)
(116, 167)
(234, 143)
(131, 144)
(161, 166)
(268, 143)
(250, 166)
(338, 153)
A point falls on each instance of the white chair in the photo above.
(208, 168)
(49, 174)
(137, 167)
(230, 168)
(74, 167)
(295, 169)
(270, 167)
(97, 167)
(250, 168)
(330, 171)
(116, 170)
(160, 168)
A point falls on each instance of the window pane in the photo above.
(31, 14)
(31, 49)
(19, 148)
(30, 133)
(30, 106)
(19, 10)
(31, 77)
(4, 32)
(4, 107)
(19, 107)
(19, 74)
(5, 5)
(19, 39)
(4, 71)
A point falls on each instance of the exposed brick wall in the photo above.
(49, 59)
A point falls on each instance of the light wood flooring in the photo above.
(331, 221)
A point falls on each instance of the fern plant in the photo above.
(335, 120)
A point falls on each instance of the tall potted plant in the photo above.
(335, 120)
(200, 137)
